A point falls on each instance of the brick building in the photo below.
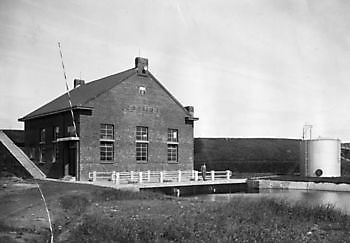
(126, 121)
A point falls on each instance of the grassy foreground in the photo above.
(188, 221)
(133, 217)
(83, 213)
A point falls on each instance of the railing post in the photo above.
(149, 176)
(117, 178)
(161, 173)
(192, 174)
(228, 174)
(140, 177)
(131, 175)
(94, 176)
(113, 176)
(212, 173)
(179, 176)
(196, 176)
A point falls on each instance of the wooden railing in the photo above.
(129, 177)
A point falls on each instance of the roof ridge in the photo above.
(80, 95)
(122, 80)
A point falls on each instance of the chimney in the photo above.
(141, 64)
(190, 110)
(78, 82)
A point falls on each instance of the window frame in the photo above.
(106, 145)
(42, 138)
(141, 134)
(107, 131)
(55, 152)
(142, 144)
(141, 152)
(173, 153)
(56, 133)
(106, 155)
(42, 153)
(170, 138)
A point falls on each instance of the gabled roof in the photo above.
(81, 95)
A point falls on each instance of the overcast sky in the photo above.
(258, 68)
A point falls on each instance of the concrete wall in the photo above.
(300, 185)
(125, 108)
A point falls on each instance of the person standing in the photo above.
(204, 171)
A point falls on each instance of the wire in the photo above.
(68, 93)
(47, 211)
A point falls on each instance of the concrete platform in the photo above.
(193, 183)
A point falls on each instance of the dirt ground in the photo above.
(23, 216)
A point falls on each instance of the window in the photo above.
(56, 132)
(42, 135)
(106, 151)
(107, 142)
(55, 153)
(32, 153)
(172, 135)
(142, 144)
(142, 151)
(42, 151)
(172, 152)
(173, 140)
(141, 133)
(106, 131)
(142, 90)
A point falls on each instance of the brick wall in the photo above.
(32, 140)
(125, 108)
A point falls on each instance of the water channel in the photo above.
(340, 200)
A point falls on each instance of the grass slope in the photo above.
(84, 213)
(258, 155)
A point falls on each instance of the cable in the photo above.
(47, 211)
(68, 93)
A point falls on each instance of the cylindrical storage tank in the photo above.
(322, 157)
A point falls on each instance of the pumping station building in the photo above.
(124, 122)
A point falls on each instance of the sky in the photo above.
(261, 68)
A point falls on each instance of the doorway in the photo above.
(71, 158)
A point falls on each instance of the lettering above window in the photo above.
(145, 109)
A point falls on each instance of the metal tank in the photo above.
(321, 158)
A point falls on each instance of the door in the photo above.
(72, 154)
(70, 162)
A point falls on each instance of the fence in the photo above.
(158, 176)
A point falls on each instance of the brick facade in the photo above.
(139, 100)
